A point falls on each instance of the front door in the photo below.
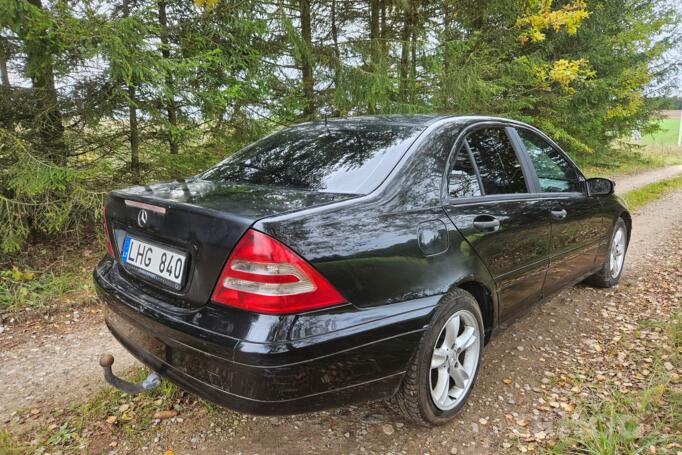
(577, 224)
(490, 204)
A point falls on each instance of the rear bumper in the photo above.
(264, 364)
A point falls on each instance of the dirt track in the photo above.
(630, 182)
(49, 365)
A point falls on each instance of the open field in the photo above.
(670, 127)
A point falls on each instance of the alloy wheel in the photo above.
(454, 360)
(617, 254)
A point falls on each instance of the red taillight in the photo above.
(107, 239)
(264, 276)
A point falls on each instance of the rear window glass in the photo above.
(335, 158)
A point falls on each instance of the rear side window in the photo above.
(497, 163)
(463, 181)
(338, 157)
(555, 173)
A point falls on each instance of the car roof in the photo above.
(423, 120)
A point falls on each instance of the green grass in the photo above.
(629, 159)
(642, 196)
(667, 135)
(73, 426)
(9, 445)
(20, 289)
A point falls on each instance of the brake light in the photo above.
(107, 239)
(265, 276)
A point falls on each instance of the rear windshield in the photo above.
(335, 158)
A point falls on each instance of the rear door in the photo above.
(490, 202)
(577, 224)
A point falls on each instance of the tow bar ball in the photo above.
(150, 382)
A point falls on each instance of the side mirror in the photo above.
(599, 186)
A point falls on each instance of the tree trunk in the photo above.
(383, 23)
(335, 41)
(405, 36)
(447, 31)
(374, 19)
(307, 60)
(3, 66)
(374, 43)
(133, 135)
(171, 107)
(413, 67)
(50, 125)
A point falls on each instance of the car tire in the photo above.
(609, 276)
(422, 381)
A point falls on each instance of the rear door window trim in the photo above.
(461, 142)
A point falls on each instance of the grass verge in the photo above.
(629, 159)
(21, 289)
(95, 424)
(47, 275)
(9, 445)
(642, 196)
(648, 421)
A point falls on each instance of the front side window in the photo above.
(555, 173)
(463, 181)
(340, 157)
(497, 163)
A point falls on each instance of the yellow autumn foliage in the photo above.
(206, 4)
(564, 73)
(540, 17)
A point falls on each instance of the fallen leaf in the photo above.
(161, 415)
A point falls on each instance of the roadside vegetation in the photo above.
(46, 278)
(627, 158)
(642, 196)
(97, 423)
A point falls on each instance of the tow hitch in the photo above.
(150, 382)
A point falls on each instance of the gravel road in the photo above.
(625, 183)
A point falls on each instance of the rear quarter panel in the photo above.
(368, 249)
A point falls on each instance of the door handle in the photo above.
(486, 223)
(558, 214)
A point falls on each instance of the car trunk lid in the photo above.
(196, 219)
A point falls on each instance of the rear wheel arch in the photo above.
(484, 298)
(625, 215)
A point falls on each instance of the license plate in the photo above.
(154, 261)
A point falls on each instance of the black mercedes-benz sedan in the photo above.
(353, 259)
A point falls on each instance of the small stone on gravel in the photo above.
(388, 429)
